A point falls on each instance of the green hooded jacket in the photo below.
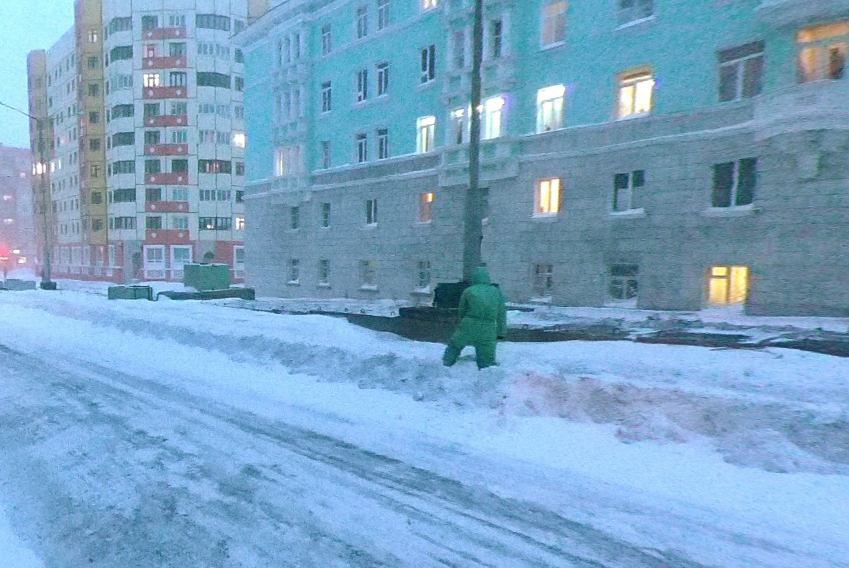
(482, 312)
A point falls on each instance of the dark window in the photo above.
(741, 71)
(93, 117)
(94, 144)
(125, 195)
(153, 222)
(97, 225)
(212, 22)
(239, 56)
(123, 139)
(239, 83)
(120, 53)
(152, 194)
(120, 25)
(93, 62)
(177, 79)
(152, 166)
(151, 109)
(123, 111)
(179, 166)
(124, 167)
(152, 136)
(240, 168)
(208, 79)
(177, 49)
(93, 89)
(240, 196)
(96, 198)
(150, 22)
(734, 183)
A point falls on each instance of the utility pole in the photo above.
(472, 213)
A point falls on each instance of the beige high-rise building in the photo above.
(144, 125)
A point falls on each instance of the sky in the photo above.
(25, 25)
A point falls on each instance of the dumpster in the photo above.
(204, 277)
(130, 293)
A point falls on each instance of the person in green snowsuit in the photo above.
(483, 319)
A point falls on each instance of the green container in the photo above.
(204, 277)
(130, 293)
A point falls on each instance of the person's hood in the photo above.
(481, 276)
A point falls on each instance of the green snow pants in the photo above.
(478, 334)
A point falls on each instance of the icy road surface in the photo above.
(190, 435)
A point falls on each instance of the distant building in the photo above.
(143, 120)
(657, 154)
(17, 231)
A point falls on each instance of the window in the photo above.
(734, 183)
(121, 53)
(458, 49)
(547, 201)
(97, 226)
(324, 272)
(120, 25)
(627, 190)
(553, 23)
(177, 79)
(428, 64)
(151, 109)
(426, 207)
(459, 126)
(382, 143)
(822, 51)
(179, 136)
(294, 217)
(239, 223)
(180, 255)
(623, 284)
(293, 270)
(123, 139)
(635, 10)
(179, 165)
(426, 134)
(635, 93)
(382, 79)
(239, 56)
(496, 38)
(96, 198)
(215, 223)
(362, 21)
(383, 20)
(180, 222)
(151, 79)
(492, 120)
(150, 22)
(542, 280)
(362, 85)
(94, 117)
(93, 62)
(94, 144)
(325, 215)
(124, 167)
(210, 79)
(550, 108)
(326, 40)
(153, 194)
(429, 4)
(122, 223)
(214, 167)
(93, 89)
(124, 195)
(150, 51)
(179, 108)
(212, 22)
(728, 285)
(239, 139)
(179, 193)
(423, 275)
(362, 147)
(152, 166)
(239, 83)
(153, 222)
(92, 36)
(118, 111)
(325, 153)
(371, 212)
(741, 71)
(326, 100)
(368, 274)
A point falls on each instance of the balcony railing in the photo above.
(166, 236)
(167, 206)
(165, 92)
(165, 62)
(817, 105)
(166, 120)
(166, 149)
(164, 33)
(180, 178)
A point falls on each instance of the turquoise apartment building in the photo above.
(661, 154)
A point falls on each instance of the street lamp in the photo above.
(41, 170)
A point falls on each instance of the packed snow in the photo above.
(726, 458)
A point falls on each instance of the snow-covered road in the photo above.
(183, 434)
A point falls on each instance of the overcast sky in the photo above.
(25, 25)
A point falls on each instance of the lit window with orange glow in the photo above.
(425, 207)
(547, 197)
(728, 285)
(635, 93)
(822, 51)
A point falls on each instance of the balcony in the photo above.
(818, 105)
(165, 92)
(166, 120)
(179, 178)
(166, 236)
(164, 33)
(167, 206)
(780, 13)
(166, 149)
(164, 62)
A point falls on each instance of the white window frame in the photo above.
(550, 103)
(382, 79)
(428, 65)
(326, 40)
(361, 21)
(382, 135)
(293, 271)
(152, 79)
(548, 197)
(493, 118)
(326, 97)
(384, 15)
(371, 212)
(154, 268)
(425, 134)
(747, 63)
(361, 147)
(177, 265)
(553, 24)
(362, 85)
(625, 195)
(460, 128)
(368, 274)
(640, 11)
(429, 4)
(627, 282)
(324, 272)
(635, 93)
